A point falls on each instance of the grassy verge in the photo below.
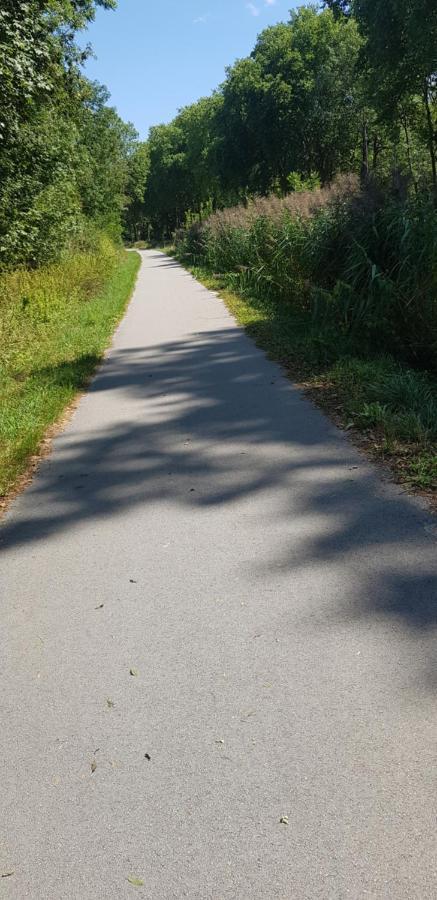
(390, 409)
(55, 324)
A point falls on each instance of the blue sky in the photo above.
(158, 55)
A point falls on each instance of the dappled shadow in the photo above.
(208, 422)
(210, 389)
(170, 264)
(409, 597)
(164, 262)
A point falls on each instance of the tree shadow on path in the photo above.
(209, 423)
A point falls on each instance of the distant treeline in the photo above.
(348, 88)
(63, 152)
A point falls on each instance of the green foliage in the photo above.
(363, 269)
(40, 206)
(382, 394)
(292, 105)
(400, 59)
(108, 145)
(135, 222)
(345, 89)
(63, 153)
(180, 170)
(38, 55)
(298, 183)
(401, 41)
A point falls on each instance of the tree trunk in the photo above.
(409, 157)
(431, 139)
(365, 157)
(376, 150)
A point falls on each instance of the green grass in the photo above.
(392, 406)
(56, 323)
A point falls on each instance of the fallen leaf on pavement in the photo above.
(137, 882)
(248, 715)
(133, 672)
(284, 820)
(93, 766)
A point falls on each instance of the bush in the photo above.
(360, 264)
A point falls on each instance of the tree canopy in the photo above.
(63, 152)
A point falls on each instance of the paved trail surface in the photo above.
(276, 603)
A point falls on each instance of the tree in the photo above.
(38, 53)
(135, 216)
(40, 204)
(63, 152)
(199, 136)
(241, 163)
(108, 144)
(182, 158)
(339, 7)
(401, 47)
(328, 91)
(292, 106)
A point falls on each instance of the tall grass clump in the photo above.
(361, 263)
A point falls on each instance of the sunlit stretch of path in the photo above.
(214, 616)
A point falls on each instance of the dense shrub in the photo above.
(363, 264)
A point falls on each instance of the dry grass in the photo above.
(300, 204)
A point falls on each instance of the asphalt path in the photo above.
(217, 638)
